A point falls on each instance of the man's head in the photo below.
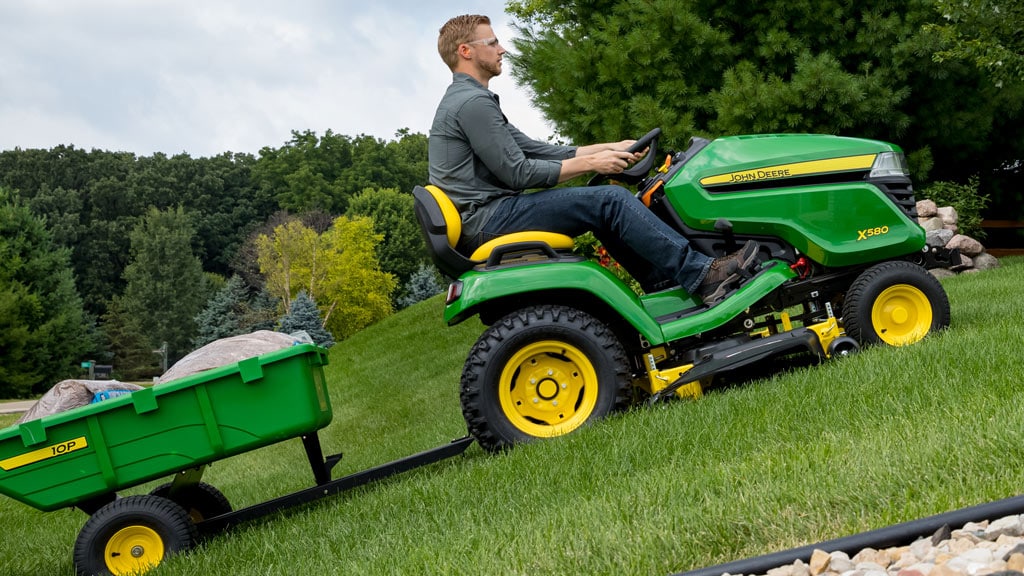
(467, 44)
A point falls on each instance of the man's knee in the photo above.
(613, 193)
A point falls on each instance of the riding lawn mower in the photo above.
(842, 264)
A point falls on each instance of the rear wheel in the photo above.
(131, 536)
(541, 372)
(202, 501)
(895, 303)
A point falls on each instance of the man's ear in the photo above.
(464, 51)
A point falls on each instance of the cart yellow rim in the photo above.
(133, 550)
(548, 388)
(902, 314)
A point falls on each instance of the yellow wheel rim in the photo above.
(548, 389)
(133, 550)
(901, 315)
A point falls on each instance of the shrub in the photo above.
(967, 201)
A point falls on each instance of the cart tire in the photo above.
(542, 372)
(202, 501)
(895, 303)
(131, 536)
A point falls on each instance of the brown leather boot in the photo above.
(724, 272)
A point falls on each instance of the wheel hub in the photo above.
(133, 549)
(901, 314)
(548, 388)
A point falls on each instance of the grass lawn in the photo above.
(790, 457)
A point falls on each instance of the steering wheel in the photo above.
(639, 170)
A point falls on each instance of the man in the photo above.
(483, 163)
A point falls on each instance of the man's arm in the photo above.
(607, 158)
(595, 148)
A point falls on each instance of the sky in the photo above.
(205, 77)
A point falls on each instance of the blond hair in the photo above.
(459, 30)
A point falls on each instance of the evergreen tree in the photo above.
(304, 315)
(134, 356)
(166, 287)
(222, 316)
(602, 70)
(260, 312)
(42, 323)
(423, 284)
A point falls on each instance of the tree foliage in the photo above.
(401, 251)
(603, 70)
(223, 315)
(131, 349)
(323, 173)
(338, 269)
(43, 331)
(166, 287)
(423, 284)
(305, 316)
(986, 33)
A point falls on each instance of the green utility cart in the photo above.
(81, 458)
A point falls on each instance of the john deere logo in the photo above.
(783, 171)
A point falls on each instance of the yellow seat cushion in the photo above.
(556, 241)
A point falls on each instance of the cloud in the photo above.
(208, 77)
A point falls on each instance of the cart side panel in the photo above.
(151, 433)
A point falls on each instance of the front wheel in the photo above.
(131, 536)
(541, 372)
(895, 303)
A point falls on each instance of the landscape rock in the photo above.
(926, 208)
(967, 245)
(933, 223)
(940, 225)
(985, 261)
(993, 548)
(939, 238)
(948, 215)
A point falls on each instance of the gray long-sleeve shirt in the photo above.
(478, 158)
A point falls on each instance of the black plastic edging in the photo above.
(895, 535)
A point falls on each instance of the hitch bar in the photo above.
(327, 487)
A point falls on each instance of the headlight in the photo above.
(890, 164)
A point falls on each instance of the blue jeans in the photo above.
(649, 249)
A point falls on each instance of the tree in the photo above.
(986, 33)
(223, 314)
(603, 70)
(42, 324)
(126, 339)
(338, 269)
(401, 251)
(423, 284)
(305, 316)
(288, 260)
(358, 292)
(166, 287)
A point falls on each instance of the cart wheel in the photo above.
(895, 303)
(542, 372)
(202, 501)
(131, 536)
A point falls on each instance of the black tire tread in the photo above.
(872, 281)
(200, 499)
(170, 520)
(482, 352)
